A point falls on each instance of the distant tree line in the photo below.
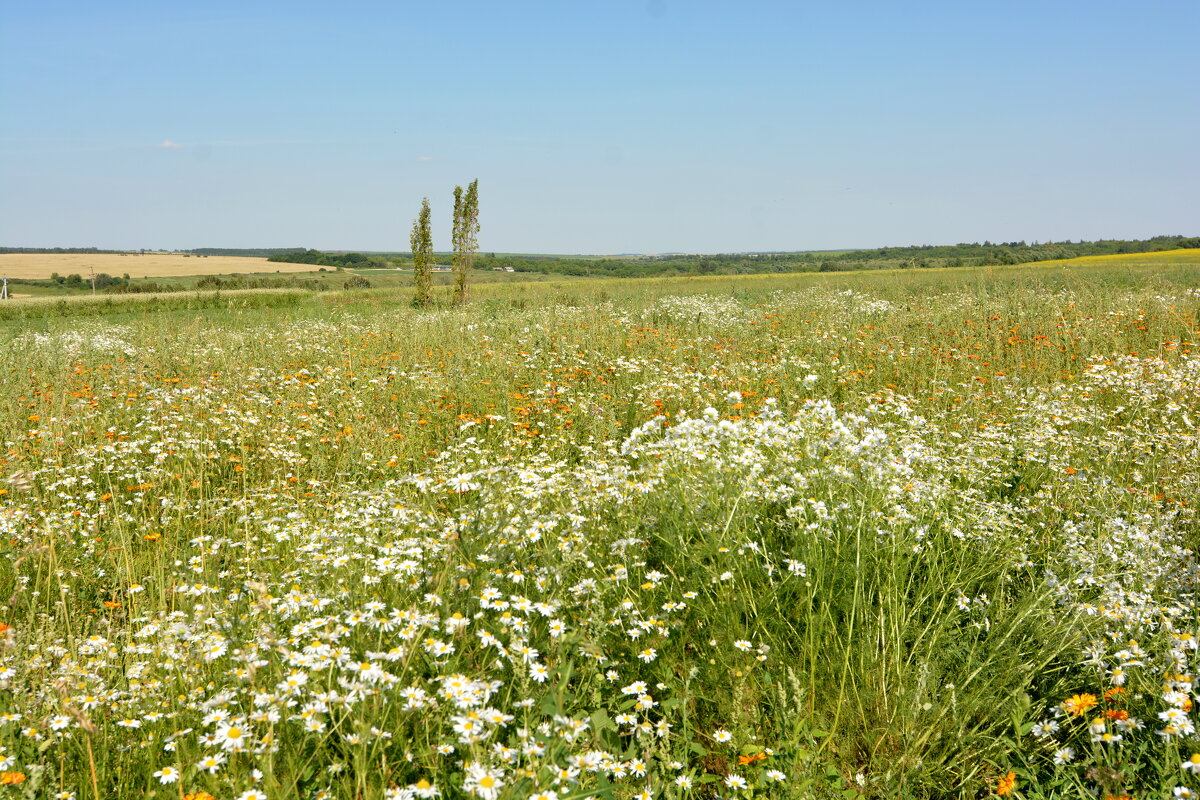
(244, 252)
(323, 259)
(916, 256)
(989, 254)
(964, 254)
(32, 250)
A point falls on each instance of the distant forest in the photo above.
(242, 252)
(915, 256)
(922, 256)
(323, 259)
(94, 250)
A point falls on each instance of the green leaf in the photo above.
(601, 721)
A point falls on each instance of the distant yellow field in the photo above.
(150, 265)
(1173, 257)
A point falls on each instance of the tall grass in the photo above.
(50, 307)
(786, 536)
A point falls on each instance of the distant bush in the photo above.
(240, 282)
(147, 287)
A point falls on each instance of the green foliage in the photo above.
(86, 250)
(144, 287)
(913, 257)
(464, 231)
(852, 583)
(41, 310)
(209, 282)
(421, 241)
(341, 260)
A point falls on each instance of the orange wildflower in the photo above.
(1006, 784)
(1078, 705)
(744, 760)
(198, 796)
(11, 778)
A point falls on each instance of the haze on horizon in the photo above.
(625, 126)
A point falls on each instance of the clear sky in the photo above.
(601, 126)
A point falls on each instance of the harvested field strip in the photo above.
(151, 265)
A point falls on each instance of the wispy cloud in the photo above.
(425, 159)
(167, 144)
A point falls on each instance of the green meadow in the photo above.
(893, 533)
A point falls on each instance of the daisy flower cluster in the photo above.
(678, 546)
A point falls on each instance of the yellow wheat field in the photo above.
(1160, 258)
(150, 265)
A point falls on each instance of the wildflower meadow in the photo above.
(923, 534)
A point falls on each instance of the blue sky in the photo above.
(597, 127)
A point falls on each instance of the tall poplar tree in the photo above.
(465, 232)
(422, 250)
